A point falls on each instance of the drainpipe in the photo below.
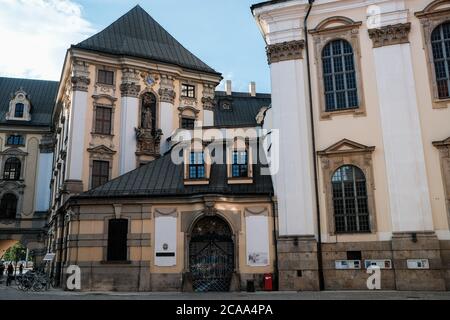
(316, 187)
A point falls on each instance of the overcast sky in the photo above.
(35, 34)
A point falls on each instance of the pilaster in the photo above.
(129, 121)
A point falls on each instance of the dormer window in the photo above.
(239, 167)
(197, 166)
(239, 162)
(18, 111)
(19, 107)
(188, 90)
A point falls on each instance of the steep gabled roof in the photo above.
(137, 34)
(42, 95)
(162, 177)
(243, 108)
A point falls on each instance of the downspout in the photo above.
(313, 137)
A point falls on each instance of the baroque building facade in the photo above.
(363, 87)
(149, 179)
(26, 156)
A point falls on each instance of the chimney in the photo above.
(252, 89)
(228, 87)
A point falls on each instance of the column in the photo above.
(208, 105)
(77, 127)
(294, 181)
(129, 120)
(44, 174)
(409, 199)
(167, 110)
(404, 155)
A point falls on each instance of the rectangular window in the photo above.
(103, 120)
(106, 77)
(100, 173)
(239, 166)
(15, 140)
(197, 166)
(187, 123)
(117, 240)
(18, 111)
(188, 91)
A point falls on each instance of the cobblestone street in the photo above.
(12, 293)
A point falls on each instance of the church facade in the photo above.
(363, 89)
(149, 179)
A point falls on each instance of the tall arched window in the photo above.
(12, 169)
(351, 213)
(339, 76)
(8, 206)
(440, 41)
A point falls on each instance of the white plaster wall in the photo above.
(167, 118)
(257, 239)
(208, 118)
(293, 182)
(128, 122)
(405, 162)
(44, 175)
(166, 233)
(77, 129)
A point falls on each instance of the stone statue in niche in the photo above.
(148, 135)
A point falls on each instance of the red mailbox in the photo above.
(268, 282)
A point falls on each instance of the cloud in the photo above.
(35, 35)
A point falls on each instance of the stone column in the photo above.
(167, 110)
(77, 127)
(129, 119)
(409, 197)
(294, 181)
(44, 174)
(208, 105)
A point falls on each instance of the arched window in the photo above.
(12, 169)
(351, 213)
(18, 110)
(339, 76)
(8, 206)
(440, 41)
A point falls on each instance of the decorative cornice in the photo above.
(80, 83)
(167, 95)
(130, 90)
(442, 144)
(290, 50)
(47, 144)
(390, 35)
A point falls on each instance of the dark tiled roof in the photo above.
(42, 95)
(243, 108)
(164, 178)
(137, 34)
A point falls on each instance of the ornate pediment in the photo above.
(104, 150)
(345, 146)
(14, 152)
(442, 144)
(334, 24)
(435, 8)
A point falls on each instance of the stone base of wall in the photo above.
(418, 246)
(399, 250)
(130, 277)
(297, 264)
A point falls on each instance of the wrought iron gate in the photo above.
(211, 255)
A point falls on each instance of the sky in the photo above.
(36, 34)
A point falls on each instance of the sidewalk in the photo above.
(12, 293)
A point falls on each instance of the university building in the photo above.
(135, 168)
